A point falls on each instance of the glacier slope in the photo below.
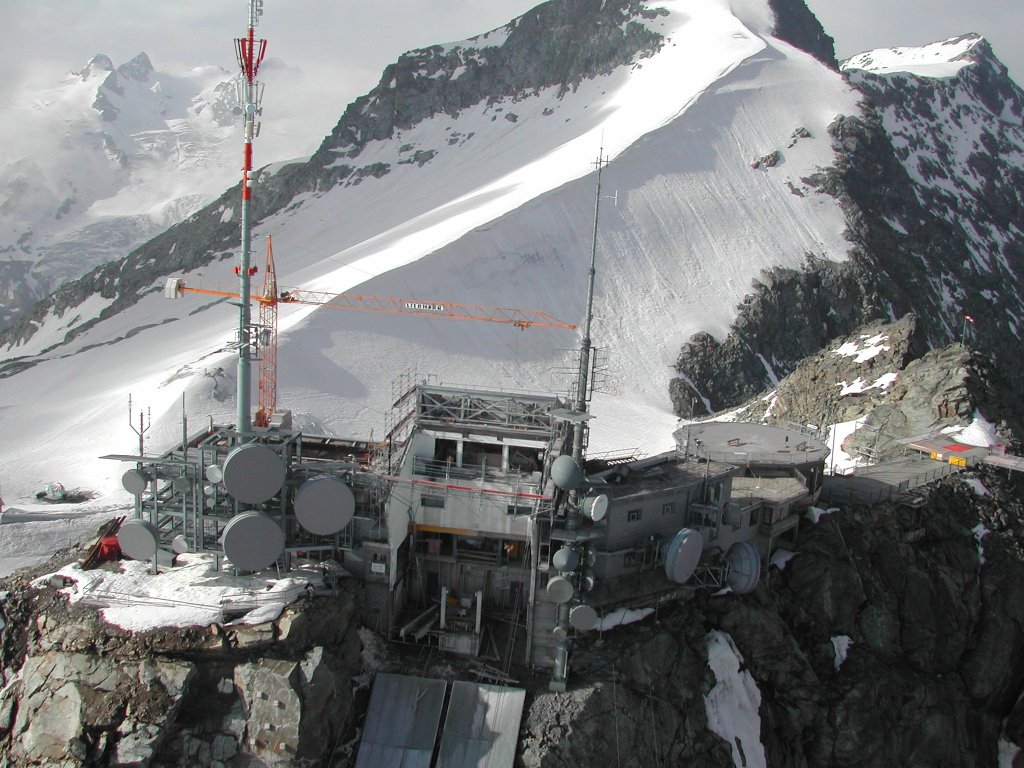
(505, 218)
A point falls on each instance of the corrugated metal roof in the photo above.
(401, 722)
(481, 729)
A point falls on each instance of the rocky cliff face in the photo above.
(795, 24)
(887, 376)
(79, 692)
(929, 178)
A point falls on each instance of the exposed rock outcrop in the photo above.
(80, 692)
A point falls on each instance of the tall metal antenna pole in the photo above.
(583, 374)
(142, 429)
(250, 53)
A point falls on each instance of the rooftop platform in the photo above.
(656, 473)
(773, 490)
(745, 444)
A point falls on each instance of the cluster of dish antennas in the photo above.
(681, 554)
(252, 474)
(567, 474)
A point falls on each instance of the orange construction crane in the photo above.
(267, 402)
(272, 297)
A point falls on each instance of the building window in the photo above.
(633, 515)
(432, 501)
(516, 510)
(630, 560)
(767, 517)
(669, 508)
(754, 516)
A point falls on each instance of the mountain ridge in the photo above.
(755, 141)
(918, 191)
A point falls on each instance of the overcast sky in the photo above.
(348, 42)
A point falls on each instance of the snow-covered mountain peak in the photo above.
(941, 59)
(138, 68)
(99, 64)
(101, 161)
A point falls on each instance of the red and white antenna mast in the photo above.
(250, 53)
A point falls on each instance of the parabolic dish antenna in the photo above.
(253, 473)
(179, 545)
(252, 541)
(595, 507)
(138, 539)
(324, 505)
(583, 618)
(135, 482)
(733, 515)
(559, 590)
(565, 559)
(214, 473)
(682, 555)
(566, 473)
(744, 567)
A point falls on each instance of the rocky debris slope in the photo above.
(79, 692)
(929, 179)
(885, 375)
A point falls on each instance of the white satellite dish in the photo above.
(138, 539)
(253, 473)
(324, 505)
(135, 481)
(744, 567)
(565, 559)
(683, 554)
(252, 541)
(566, 473)
(596, 507)
(559, 590)
(583, 618)
(179, 545)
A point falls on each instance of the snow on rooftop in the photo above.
(189, 594)
(942, 59)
